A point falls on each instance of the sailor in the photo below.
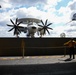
(71, 44)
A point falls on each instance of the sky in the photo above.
(58, 12)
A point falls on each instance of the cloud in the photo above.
(29, 12)
(27, 2)
(5, 4)
(72, 5)
(51, 4)
(71, 30)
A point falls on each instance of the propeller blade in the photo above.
(46, 22)
(48, 31)
(44, 31)
(73, 19)
(11, 29)
(49, 28)
(15, 31)
(69, 22)
(19, 23)
(16, 21)
(0, 6)
(42, 22)
(40, 25)
(10, 25)
(49, 24)
(12, 21)
(19, 30)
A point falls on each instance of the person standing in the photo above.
(71, 44)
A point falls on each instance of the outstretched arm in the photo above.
(66, 43)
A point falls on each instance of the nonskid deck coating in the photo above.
(27, 60)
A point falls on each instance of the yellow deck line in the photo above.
(13, 58)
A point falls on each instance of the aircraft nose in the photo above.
(33, 27)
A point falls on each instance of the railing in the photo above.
(23, 48)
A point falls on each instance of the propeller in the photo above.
(45, 27)
(73, 18)
(0, 6)
(15, 26)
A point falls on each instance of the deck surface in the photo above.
(37, 65)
